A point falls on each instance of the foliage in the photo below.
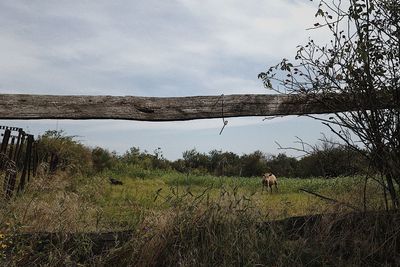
(361, 64)
(102, 159)
(253, 164)
(324, 161)
(71, 155)
(332, 161)
(224, 163)
(209, 221)
(282, 165)
(145, 160)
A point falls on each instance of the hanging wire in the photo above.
(225, 122)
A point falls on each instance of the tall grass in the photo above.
(189, 220)
(228, 230)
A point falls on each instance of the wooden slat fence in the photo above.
(18, 160)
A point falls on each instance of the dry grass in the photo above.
(218, 223)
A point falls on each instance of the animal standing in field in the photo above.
(269, 180)
(114, 181)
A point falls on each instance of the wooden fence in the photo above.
(28, 107)
(18, 159)
(18, 106)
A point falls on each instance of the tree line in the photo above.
(325, 160)
(332, 162)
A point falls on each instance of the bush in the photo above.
(71, 155)
(332, 162)
(253, 164)
(145, 160)
(102, 159)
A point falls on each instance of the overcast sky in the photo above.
(155, 48)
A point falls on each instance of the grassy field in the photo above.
(63, 203)
(195, 213)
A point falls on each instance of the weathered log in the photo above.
(22, 106)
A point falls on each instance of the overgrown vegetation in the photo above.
(325, 160)
(174, 218)
(208, 209)
(56, 150)
(162, 216)
(362, 64)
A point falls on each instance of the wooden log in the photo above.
(21, 106)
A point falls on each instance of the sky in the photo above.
(156, 48)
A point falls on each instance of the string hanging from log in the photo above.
(21, 106)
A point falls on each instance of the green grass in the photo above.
(187, 219)
(155, 194)
(101, 206)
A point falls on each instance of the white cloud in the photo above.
(149, 48)
(124, 47)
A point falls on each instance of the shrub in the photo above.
(72, 156)
(102, 159)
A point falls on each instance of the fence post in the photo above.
(12, 148)
(17, 146)
(29, 147)
(21, 146)
(26, 163)
(35, 158)
(4, 144)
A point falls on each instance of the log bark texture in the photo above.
(22, 106)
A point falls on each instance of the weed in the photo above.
(176, 219)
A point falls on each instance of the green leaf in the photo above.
(320, 12)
